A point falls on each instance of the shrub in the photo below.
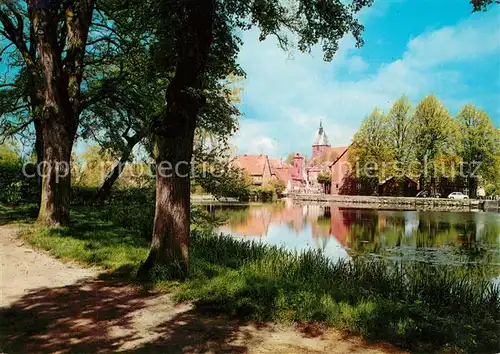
(87, 195)
(264, 193)
(16, 188)
(279, 187)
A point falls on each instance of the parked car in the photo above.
(428, 194)
(457, 195)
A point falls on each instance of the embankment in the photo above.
(399, 203)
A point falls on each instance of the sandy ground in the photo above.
(48, 306)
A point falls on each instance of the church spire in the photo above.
(321, 138)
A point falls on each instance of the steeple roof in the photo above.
(321, 138)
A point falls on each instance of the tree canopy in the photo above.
(427, 144)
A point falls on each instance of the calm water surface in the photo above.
(451, 238)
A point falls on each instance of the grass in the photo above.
(91, 240)
(19, 214)
(415, 306)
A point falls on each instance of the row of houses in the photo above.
(301, 175)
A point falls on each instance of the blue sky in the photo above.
(411, 47)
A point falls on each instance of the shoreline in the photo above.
(398, 203)
(372, 202)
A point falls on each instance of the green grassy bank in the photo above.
(420, 307)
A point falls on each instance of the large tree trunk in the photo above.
(173, 138)
(38, 140)
(61, 102)
(56, 178)
(58, 126)
(169, 253)
(38, 145)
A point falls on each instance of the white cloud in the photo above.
(469, 40)
(288, 97)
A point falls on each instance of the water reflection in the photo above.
(436, 237)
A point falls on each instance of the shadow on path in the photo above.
(104, 316)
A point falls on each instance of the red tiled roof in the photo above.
(284, 174)
(338, 151)
(275, 162)
(327, 157)
(340, 166)
(253, 164)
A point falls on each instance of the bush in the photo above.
(264, 193)
(279, 187)
(87, 195)
(15, 187)
(83, 195)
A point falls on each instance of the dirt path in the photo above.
(48, 306)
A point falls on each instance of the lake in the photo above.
(463, 239)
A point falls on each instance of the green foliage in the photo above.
(266, 193)
(8, 155)
(419, 307)
(324, 177)
(91, 168)
(426, 143)
(478, 140)
(402, 132)
(482, 5)
(213, 169)
(16, 187)
(290, 158)
(371, 149)
(279, 187)
(434, 130)
(227, 182)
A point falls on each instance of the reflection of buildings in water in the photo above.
(256, 224)
(258, 220)
(291, 216)
(339, 226)
(411, 223)
(313, 211)
(480, 221)
(328, 222)
(325, 222)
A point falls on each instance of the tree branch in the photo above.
(5, 134)
(5, 49)
(15, 33)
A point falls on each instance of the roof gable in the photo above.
(253, 164)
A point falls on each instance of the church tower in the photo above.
(321, 143)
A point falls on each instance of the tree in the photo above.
(53, 54)
(478, 145)
(434, 128)
(113, 62)
(401, 132)
(325, 179)
(62, 78)
(279, 187)
(482, 5)
(371, 150)
(204, 38)
(142, 98)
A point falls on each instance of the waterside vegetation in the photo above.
(420, 306)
